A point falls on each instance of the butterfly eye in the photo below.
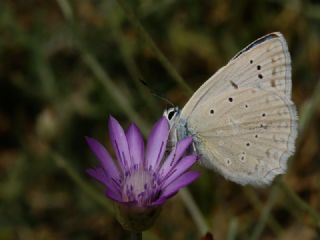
(171, 114)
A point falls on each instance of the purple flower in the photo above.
(142, 179)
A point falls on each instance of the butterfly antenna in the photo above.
(156, 94)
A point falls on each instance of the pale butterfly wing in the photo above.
(245, 134)
(242, 120)
(264, 64)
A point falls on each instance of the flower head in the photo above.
(140, 181)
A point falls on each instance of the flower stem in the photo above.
(194, 211)
(300, 203)
(265, 214)
(90, 191)
(136, 236)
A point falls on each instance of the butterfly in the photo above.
(242, 120)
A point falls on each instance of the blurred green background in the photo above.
(66, 65)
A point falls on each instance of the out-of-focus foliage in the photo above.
(66, 65)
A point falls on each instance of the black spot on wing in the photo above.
(235, 86)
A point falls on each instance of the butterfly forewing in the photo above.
(246, 134)
(264, 64)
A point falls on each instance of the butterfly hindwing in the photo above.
(245, 134)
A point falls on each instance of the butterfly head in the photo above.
(171, 115)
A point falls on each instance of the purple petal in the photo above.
(119, 143)
(161, 200)
(180, 182)
(98, 174)
(111, 187)
(175, 155)
(183, 165)
(117, 198)
(104, 157)
(136, 144)
(157, 142)
(113, 195)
